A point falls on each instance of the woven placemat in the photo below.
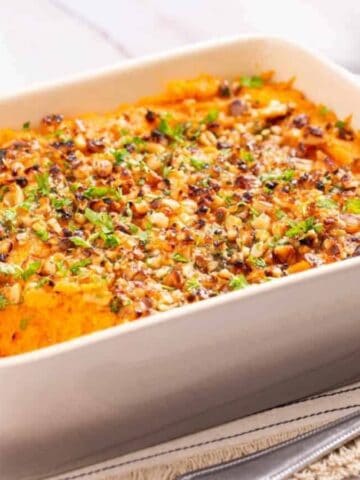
(238, 439)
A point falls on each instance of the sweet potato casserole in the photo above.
(211, 187)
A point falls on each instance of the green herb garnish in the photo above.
(42, 180)
(31, 270)
(175, 133)
(133, 228)
(179, 258)
(302, 227)
(111, 240)
(77, 266)
(102, 191)
(323, 110)
(198, 164)
(257, 262)
(42, 282)
(60, 267)
(100, 219)
(98, 192)
(253, 211)
(238, 282)
(211, 116)
(80, 242)
(42, 234)
(120, 155)
(285, 176)
(251, 82)
(60, 203)
(166, 171)
(26, 125)
(75, 186)
(246, 156)
(192, 284)
(340, 124)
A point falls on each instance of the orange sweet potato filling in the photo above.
(210, 187)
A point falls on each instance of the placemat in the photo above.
(238, 438)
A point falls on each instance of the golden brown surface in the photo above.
(208, 188)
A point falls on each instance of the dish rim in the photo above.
(187, 309)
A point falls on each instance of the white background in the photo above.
(42, 40)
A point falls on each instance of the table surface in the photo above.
(43, 40)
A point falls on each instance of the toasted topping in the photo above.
(217, 186)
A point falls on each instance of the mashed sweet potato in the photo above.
(213, 186)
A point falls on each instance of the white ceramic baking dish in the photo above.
(175, 372)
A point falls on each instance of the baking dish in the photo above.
(190, 368)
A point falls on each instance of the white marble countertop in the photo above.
(42, 40)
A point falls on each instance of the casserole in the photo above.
(204, 363)
(211, 187)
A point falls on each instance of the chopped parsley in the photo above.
(133, 228)
(257, 262)
(285, 176)
(164, 127)
(179, 258)
(192, 284)
(175, 133)
(120, 155)
(340, 124)
(42, 180)
(26, 125)
(77, 266)
(301, 228)
(80, 242)
(323, 110)
(166, 171)
(42, 282)
(238, 282)
(253, 211)
(211, 116)
(100, 219)
(42, 234)
(111, 240)
(60, 203)
(100, 192)
(198, 164)
(31, 269)
(246, 156)
(251, 82)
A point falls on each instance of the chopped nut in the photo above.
(159, 219)
(103, 168)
